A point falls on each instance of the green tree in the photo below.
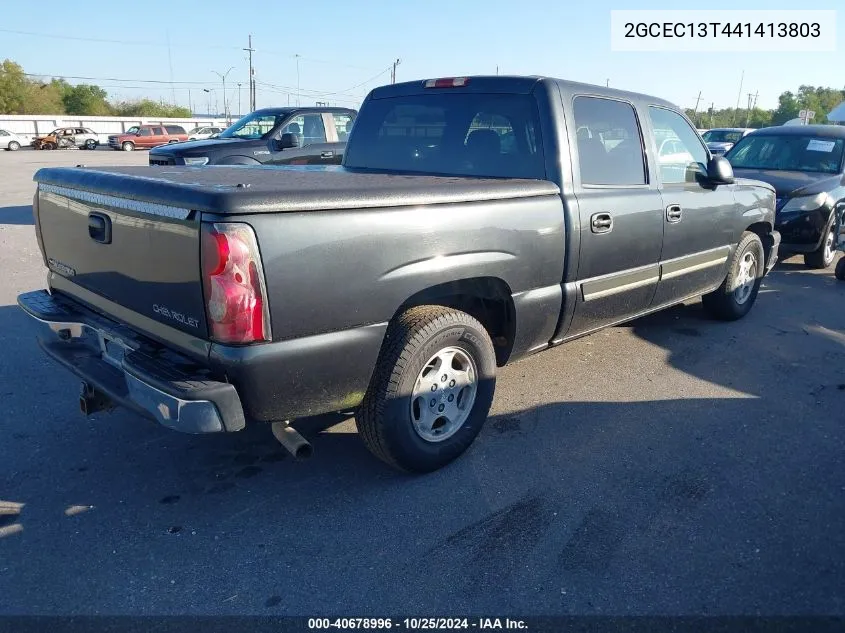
(13, 87)
(85, 99)
(149, 108)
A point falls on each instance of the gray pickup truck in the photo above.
(474, 221)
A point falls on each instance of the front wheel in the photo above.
(431, 390)
(738, 292)
(824, 256)
(128, 146)
(14, 146)
(840, 269)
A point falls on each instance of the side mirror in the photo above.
(287, 141)
(719, 171)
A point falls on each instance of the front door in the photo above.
(310, 130)
(145, 137)
(621, 215)
(698, 219)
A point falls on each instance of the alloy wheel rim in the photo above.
(745, 278)
(444, 394)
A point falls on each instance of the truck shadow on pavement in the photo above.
(20, 215)
(725, 504)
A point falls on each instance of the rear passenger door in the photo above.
(621, 214)
(698, 220)
(159, 137)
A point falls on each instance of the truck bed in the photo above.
(233, 190)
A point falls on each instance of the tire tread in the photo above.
(404, 334)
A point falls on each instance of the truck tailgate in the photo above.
(140, 255)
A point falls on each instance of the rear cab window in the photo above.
(463, 134)
(609, 142)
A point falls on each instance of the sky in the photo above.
(346, 48)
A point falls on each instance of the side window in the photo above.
(145, 131)
(680, 154)
(343, 125)
(4, 133)
(313, 129)
(308, 127)
(610, 146)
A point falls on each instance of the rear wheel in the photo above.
(431, 390)
(824, 256)
(128, 146)
(90, 144)
(738, 292)
(14, 146)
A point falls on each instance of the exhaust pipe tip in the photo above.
(293, 442)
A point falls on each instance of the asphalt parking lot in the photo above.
(675, 465)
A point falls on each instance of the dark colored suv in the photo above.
(271, 136)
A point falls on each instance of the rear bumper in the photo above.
(132, 371)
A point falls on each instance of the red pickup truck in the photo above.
(147, 136)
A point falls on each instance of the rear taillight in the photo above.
(233, 279)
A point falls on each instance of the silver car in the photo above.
(719, 140)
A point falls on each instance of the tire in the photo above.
(90, 144)
(127, 146)
(840, 269)
(733, 299)
(392, 415)
(14, 146)
(824, 256)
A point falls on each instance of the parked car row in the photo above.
(136, 137)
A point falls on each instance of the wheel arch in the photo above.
(488, 299)
(764, 232)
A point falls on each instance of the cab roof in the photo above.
(516, 84)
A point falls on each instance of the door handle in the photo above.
(328, 154)
(673, 213)
(99, 227)
(601, 223)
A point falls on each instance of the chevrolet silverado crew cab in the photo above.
(474, 221)
(272, 136)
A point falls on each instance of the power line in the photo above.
(99, 40)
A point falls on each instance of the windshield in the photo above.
(788, 153)
(721, 136)
(254, 126)
(463, 134)
(133, 130)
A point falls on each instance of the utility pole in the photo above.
(399, 61)
(607, 83)
(695, 110)
(250, 50)
(712, 107)
(297, 81)
(190, 107)
(748, 109)
(239, 99)
(738, 97)
(497, 70)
